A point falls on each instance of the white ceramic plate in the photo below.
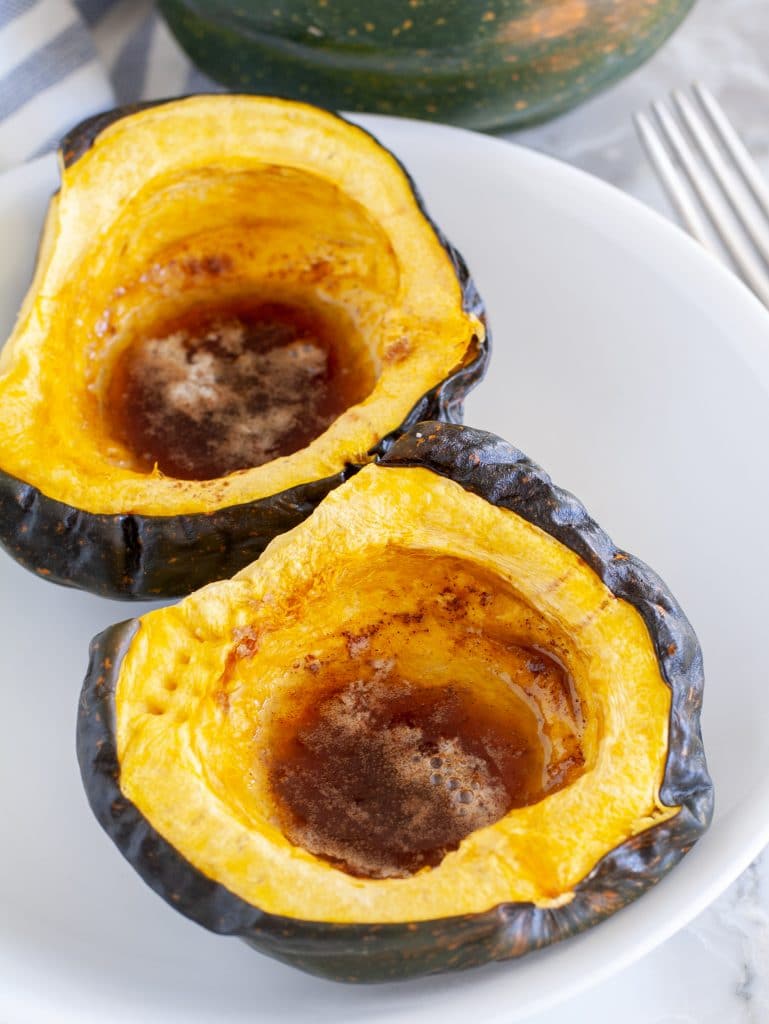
(637, 372)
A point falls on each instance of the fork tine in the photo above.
(734, 146)
(671, 181)
(750, 268)
(726, 177)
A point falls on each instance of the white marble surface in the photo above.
(716, 971)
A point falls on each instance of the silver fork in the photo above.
(700, 155)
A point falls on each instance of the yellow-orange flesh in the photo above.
(407, 622)
(249, 305)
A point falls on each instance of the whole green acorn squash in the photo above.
(443, 721)
(488, 64)
(238, 301)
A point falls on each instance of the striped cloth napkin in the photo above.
(62, 60)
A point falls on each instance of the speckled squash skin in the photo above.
(486, 64)
(143, 557)
(487, 466)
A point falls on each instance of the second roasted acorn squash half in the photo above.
(443, 721)
(237, 300)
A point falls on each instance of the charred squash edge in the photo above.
(142, 557)
(490, 467)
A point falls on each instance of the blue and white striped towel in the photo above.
(62, 60)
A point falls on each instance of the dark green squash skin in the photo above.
(142, 557)
(498, 472)
(484, 64)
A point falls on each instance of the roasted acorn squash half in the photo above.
(237, 301)
(443, 721)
